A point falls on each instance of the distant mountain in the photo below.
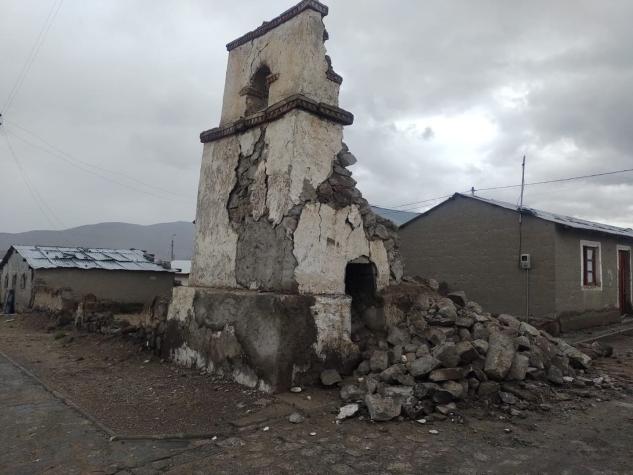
(154, 238)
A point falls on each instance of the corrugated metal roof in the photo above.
(49, 257)
(575, 223)
(181, 266)
(396, 216)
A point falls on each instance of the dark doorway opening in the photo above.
(360, 284)
(257, 94)
(624, 281)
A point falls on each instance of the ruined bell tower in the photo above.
(283, 237)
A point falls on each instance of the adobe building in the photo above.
(57, 279)
(574, 272)
(284, 240)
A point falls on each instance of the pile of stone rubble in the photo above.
(447, 349)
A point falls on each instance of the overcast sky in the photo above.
(446, 95)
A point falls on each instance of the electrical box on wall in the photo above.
(526, 262)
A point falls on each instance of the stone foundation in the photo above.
(267, 341)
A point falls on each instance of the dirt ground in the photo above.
(580, 430)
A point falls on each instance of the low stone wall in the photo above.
(267, 341)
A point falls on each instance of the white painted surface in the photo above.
(295, 51)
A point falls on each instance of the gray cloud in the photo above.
(446, 94)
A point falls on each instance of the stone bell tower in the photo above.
(283, 237)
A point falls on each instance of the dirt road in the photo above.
(584, 432)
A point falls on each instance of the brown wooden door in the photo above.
(624, 281)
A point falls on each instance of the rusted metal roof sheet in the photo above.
(48, 257)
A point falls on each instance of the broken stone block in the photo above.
(422, 350)
(464, 321)
(413, 408)
(507, 398)
(390, 374)
(435, 336)
(402, 392)
(527, 329)
(379, 361)
(370, 384)
(474, 307)
(519, 367)
(423, 365)
(458, 297)
(382, 408)
(465, 335)
(395, 354)
(363, 368)
(509, 321)
(405, 380)
(296, 418)
(330, 377)
(445, 316)
(454, 388)
(425, 390)
(500, 356)
(446, 374)
(351, 392)
(522, 343)
(466, 352)
(555, 375)
(446, 354)
(398, 336)
(481, 346)
(576, 357)
(347, 411)
(479, 332)
(446, 409)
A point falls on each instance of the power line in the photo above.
(544, 182)
(88, 170)
(88, 164)
(35, 49)
(50, 215)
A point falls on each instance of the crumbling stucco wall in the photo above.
(16, 274)
(295, 51)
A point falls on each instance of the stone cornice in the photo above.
(298, 101)
(275, 22)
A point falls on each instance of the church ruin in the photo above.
(285, 245)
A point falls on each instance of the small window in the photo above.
(23, 281)
(14, 281)
(591, 265)
(6, 281)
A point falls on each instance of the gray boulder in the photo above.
(423, 366)
(500, 356)
(383, 408)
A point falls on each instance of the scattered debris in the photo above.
(330, 377)
(440, 351)
(349, 410)
(296, 418)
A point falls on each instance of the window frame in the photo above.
(596, 265)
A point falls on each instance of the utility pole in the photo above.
(172, 247)
(527, 269)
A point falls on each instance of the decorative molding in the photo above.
(332, 76)
(298, 101)
(252, 91)
(275, 22)
(271, 78)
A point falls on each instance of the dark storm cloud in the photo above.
(447, 95)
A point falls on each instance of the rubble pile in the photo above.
(447, 349)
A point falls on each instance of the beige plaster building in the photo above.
(56, 279)
(573, 270)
